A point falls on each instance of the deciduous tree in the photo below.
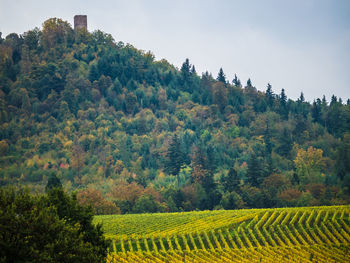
(309, 164)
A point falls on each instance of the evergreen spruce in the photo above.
(236, 81)
(231, 181)
(175, 157)
(221, 76)
(249, 83)
(255, 172)
(269, 95)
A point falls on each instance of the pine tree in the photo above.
(185, 80)
(175, 157)
(255, 172)
(333, 100)
(236, 81)
(269, 95)
(286, 143)
(221, 76)
(193, 70)
(316, 110)
(231, 181)
(186, 69)
(283, 105)
(249, 83)
(324, 101)
(301, 98)
(283, 98)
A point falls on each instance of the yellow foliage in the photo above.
(100, 170)
(67, 130)
(91, 137)
(309, 163)
(30, 163)
(118, 166)
(68, 144)
(161, 175)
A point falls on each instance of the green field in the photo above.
(313, 234)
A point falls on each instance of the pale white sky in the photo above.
(298, 45)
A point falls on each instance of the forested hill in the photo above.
(133, 134)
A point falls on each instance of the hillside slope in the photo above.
(135, 135)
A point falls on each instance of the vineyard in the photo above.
(316, 234)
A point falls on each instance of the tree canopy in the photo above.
(107, 118)
(47, 228)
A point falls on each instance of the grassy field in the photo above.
(313, 234)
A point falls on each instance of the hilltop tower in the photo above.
(80, 21)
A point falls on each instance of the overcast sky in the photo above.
(298, 45)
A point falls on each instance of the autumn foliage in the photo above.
(95, 198)
(126, 130)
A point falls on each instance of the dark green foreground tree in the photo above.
(47, 228)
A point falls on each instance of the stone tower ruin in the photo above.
(80, 21)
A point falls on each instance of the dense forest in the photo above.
(131, 134)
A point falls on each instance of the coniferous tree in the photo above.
(255, 173)
(335, 118)
(269, 95)
(286, 143)
(231, 181)
(193, 70)
(221, 76)
(236, 81)
(324, 101)
(300, 127)
(175, 157)
(249, 83)
(333, 100)
(343, 158)
(316, 110)
(302, 107)
(283, 98)
(268, 149)
(185, 80)
(283, 105)
(186, 69)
